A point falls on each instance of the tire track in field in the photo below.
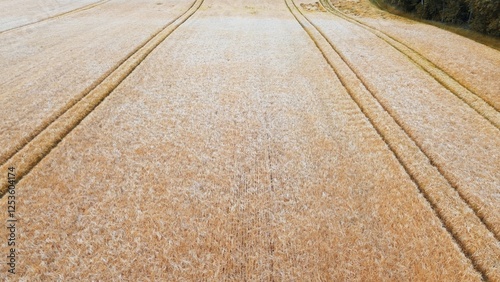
(472, 235)
(35, 149)
(477, 103)
(80, 9)
(476, 207)
(23, 142)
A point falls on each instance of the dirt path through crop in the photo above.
(232, 152)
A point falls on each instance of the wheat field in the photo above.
(218, 140)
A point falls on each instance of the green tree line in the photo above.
(479, 15)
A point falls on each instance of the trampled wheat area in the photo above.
(252, 140)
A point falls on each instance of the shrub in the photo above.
(479, 15)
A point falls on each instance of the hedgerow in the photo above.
(478, 15)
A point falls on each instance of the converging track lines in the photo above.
(471, 234)
(477, 103)
(80, 9)
(50, 136)
(477, 209)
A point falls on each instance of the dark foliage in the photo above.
(479, 15)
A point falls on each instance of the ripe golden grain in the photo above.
(480, 245)
(233, 152)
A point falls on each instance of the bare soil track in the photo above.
(247, 140)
